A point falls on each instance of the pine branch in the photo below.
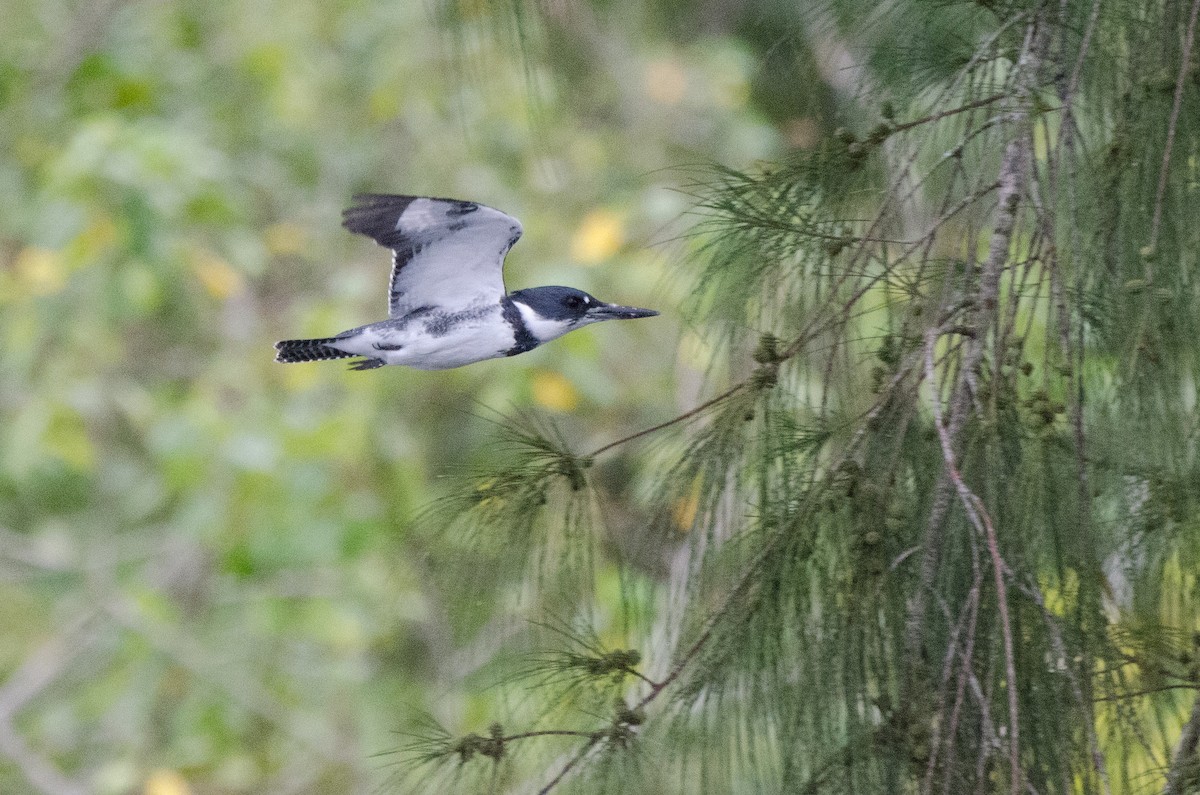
(1012, 178)
(1059, 647)
(743, 582)
(934, 117)
(1003, 288)
(570, 765)
(509, 738)
(1148, 692)
(796, 346)
(1073, 354)
(967, 658)
(684, 417)
(1164, 174)
(657, 688)
(979, 518)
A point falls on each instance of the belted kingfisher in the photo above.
(448, 306)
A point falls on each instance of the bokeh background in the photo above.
(213, 576)
(219, 574)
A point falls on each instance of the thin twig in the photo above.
(998, 568)
(973, 105)
(687, 415)
(548, 733)
(951, 726)
(979, 518)
(570, 765)
(966, 676)
(1128, 694)
(643, 677)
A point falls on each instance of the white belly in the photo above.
(437, 342)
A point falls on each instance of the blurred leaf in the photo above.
(66, 436)
(216, 275)
(166, 782)
(286, 239)
(40, 271)
(551, 390)
(599, 236)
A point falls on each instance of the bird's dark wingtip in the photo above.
(375, 215)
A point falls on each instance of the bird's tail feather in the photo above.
(290, 351)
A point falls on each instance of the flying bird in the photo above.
(447, 306)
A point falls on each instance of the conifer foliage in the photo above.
(937, 528)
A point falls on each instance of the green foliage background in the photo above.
(916, 511)
(213, 554)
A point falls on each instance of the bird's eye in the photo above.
(573, 302)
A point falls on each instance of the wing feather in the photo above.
(445, 252)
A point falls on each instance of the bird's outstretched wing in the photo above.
(445, 253)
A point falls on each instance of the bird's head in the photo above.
(550, 312)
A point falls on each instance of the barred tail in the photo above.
(290, 351)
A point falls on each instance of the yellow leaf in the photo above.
(598, 237)
(40, 271)
(554, 392)
(166, 782)
(215, 274)
(684, 510)
(487, 499)
(286, 238)
(1060, 594)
